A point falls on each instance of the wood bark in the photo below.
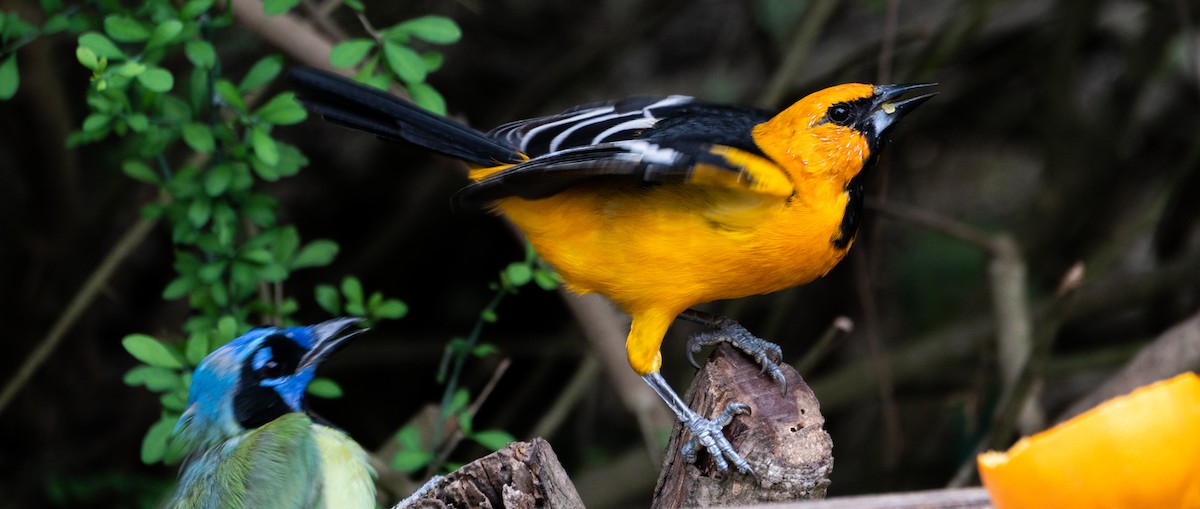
(783, 439)
(523, 475)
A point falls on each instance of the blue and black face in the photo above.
(259, 377)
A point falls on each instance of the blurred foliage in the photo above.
(1070, 124)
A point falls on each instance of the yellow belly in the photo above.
(348, 478)
(671, 247)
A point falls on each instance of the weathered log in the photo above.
(783, 439)
(523, 475)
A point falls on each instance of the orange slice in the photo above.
(1140, 450)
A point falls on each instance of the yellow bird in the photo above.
(662, 203)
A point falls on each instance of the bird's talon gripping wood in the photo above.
(661, 203)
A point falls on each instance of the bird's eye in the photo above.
(277, 357)
(840, 114)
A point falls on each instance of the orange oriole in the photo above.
(662, 203)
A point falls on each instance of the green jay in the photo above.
(254, 444)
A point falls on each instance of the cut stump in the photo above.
(523, 475)
(783, 439)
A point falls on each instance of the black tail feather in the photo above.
(346, 102)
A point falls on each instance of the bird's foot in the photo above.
(706, 432)
(768, 355)
(709, 433)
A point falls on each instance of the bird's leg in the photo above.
(706, 432)
(768, 354)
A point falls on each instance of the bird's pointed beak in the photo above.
(328, 336)
(887, 109)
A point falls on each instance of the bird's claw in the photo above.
(709, 433)
(768, 355)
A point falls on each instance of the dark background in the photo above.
(1073, 125)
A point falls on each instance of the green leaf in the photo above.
(140, 171)
(391, 308)
(277, 7)
(196, 348)
(178, 287)
(138, 122)
(493, 439)
(465, 424)
(96, 121)
(199, 211)
(217, 180)
(154, 378)
(410, 460)
(227, 329)
(156, 79)
(130, 69)
(155, 443)
(85, 56)
(194, 8)
(282, 109)
(263, 72)
(409, 437)
(10, 79)
(353, 290)
(151, 351)
(201, 53)
(56, 23)
(328, 298)
(102, 46)
(427, 97)
(484, 349)
(163, 33)
(404, 62)
(199, 137)
(350, 52)
(488, 316)
(433, 60)
(356, 5)
(459, 401)
(257, 256)
(125, 29)
(211, 272)
(264, 146)
(518, 273)
(324, 388)
(434, 29)
(317, 253)
(175, 401)
(545, 279)
(230, 95)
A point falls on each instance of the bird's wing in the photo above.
(273, 466)
(637, 162)
(587, 125)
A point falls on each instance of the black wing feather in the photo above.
(352, 104)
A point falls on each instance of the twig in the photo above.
(585, 378)
(887, 44)
(935, 221)
(893, 442)
(840, 327)
(456, 438)
(83, 298)
(319, 15)
(1172, 352)
(967, 498)
(287, 32)
(605, 330)
(814, 19)
(1008, 410)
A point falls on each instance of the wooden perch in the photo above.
(783, 439)
(523, 475)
